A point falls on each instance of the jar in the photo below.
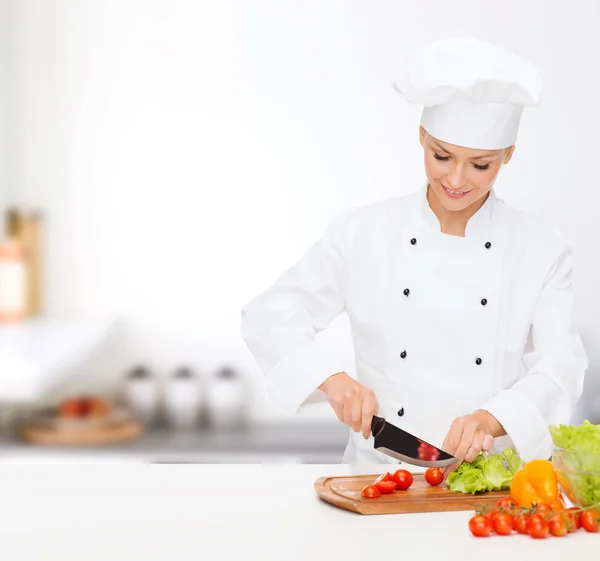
(226, 399)
(183, 399)
(13, 282)
(142, 394)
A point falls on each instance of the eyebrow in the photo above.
(473, 158)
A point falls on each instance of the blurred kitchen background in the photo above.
(163, 161)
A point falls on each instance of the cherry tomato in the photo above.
(371, 492)
(589, 520)
(434, 476)
(537, 527)
(493, 514)
(573, 515)
(506, 502)
(403, 479)
(557, 525)
(386, 487)
(383, 477)
(544, 510)
(521, 523)
(480, 526)
(503, 524)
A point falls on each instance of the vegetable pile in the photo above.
(534, 508)
(578, 461)
(537, 521)
(401, 480)
(486, 473)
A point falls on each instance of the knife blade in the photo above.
(406, 447)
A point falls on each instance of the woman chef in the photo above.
(461, 307)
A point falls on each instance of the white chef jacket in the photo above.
(442, 325)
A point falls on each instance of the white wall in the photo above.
(187, 152)
(6, 57)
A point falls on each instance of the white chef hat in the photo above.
(473, 92)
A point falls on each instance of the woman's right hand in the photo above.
(353, 403)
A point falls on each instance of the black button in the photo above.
(484, 302)
(403, 354)
(488, 245)
(401, 412)
(406, 292)
(478, 361)
(413, 241)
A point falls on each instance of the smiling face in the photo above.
(458, 176)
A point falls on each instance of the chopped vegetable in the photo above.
(403, 479)
(485, 473)
(370, 492)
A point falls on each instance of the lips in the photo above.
(454, 194)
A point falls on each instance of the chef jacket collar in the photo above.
(478, 225)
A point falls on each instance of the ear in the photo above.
(508, 154)
(422, 134)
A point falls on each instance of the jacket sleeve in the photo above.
(280, 325)
(553, 382)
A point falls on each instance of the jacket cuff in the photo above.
(523, 423)
(294, 381)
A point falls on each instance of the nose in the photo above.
(456, 178)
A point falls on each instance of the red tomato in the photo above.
(480, 526)
(537, 527)
(371, 492)
(403, 479)
(521, 523)
(573, 515)
(383, 477)
(558, 525)
(507, 502)
(434, 476)
(386, 487)
(589, 520)
(503, 524)
(544, 510)
(493, 514)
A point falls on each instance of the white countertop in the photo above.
(230, 512)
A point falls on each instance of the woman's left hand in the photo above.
(469, 436)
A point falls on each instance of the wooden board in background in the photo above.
(345, 492)
(84, 434)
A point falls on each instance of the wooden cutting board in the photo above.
(345, 492)
(53, 431)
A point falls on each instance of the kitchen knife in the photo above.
(406, 447)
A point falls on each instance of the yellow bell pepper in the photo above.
(536, 483)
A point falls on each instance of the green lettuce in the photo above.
(579, 459)
(485, 473)
(496, 473)
(514, 461)
(466, 479)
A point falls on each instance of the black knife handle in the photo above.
(377, 424)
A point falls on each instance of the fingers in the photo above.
(475, 447)
(451, 443)
(353, 404)
(488, 442)
(453, 437)
(467, 439)
(369, 408)
(356, 414)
